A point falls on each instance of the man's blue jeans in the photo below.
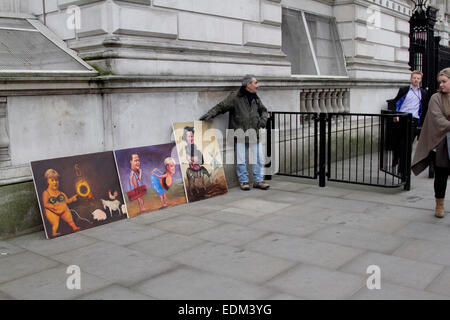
(256, 159)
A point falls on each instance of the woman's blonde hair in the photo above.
(51, 174)
(445, 97)
(168, 160)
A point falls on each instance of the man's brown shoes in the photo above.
(245, 186)
(261, 185)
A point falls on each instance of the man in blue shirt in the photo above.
(410, 99)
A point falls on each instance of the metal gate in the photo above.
(366, 149)
(423, 45)
(425, 53)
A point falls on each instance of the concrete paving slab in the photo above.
(309, 251)
(193, 284)
(256, 205)
(115, 292)
(154, 216)
(123, 233)
(230, 234)
(4, 296)
(441, 285)
(185, 225)
(284, 296)
(197, 208)
(394, 292)
(359, 238)
(289, 197)
(51, 285)
(395, 270)
(247, 212)
(426, 231)
(38, 243)
(400, 199)
(284, 185)
(343, 204)
(231, 215)
(233, 194)
(384, 224)
(311, 282)
(424, 250)
(115, 263)
(7, 249)
(326, 191)
(304, 209)
(404, 213)
(233, 262)
(23, 264)
(287, 225)
(165, 245)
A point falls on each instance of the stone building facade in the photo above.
(120, 72)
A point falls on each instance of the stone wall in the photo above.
(375, 37)
(172, 37)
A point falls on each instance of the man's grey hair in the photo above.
(247, 79)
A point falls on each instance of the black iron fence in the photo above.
(368, 149)
(443, 57)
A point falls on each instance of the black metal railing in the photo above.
(297, 143)
(367, 149)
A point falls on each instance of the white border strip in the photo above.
(18, 29)
(41, 205)
(310, 43)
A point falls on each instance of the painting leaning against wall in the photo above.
(150, 177)
(200, 159)
(78, 192)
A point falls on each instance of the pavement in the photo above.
(294, 241)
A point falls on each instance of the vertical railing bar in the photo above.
(316, 142)
(296, 144)
(309, 145)
(290, 143)
(357, 141)
(379, 147)
(343, 146)
(371, 147)
(303, 144)
(350, 151)
(285, 142)
(336, 151)
(279, 138)
(328, 173)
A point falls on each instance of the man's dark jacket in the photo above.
(242, 114)
(396, 103)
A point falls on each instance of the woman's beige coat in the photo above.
(435, 128)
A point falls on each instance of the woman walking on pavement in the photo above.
(433, 145)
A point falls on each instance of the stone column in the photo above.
(340, 99)
(322, 106)
(347, 100)
(309, 106)
(315, 95)
(302, 101)
(328, 100)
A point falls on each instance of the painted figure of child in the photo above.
(161, 182)
(55, 203)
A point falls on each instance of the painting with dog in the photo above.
(77, 193)
(200, 159)
(150, 177)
